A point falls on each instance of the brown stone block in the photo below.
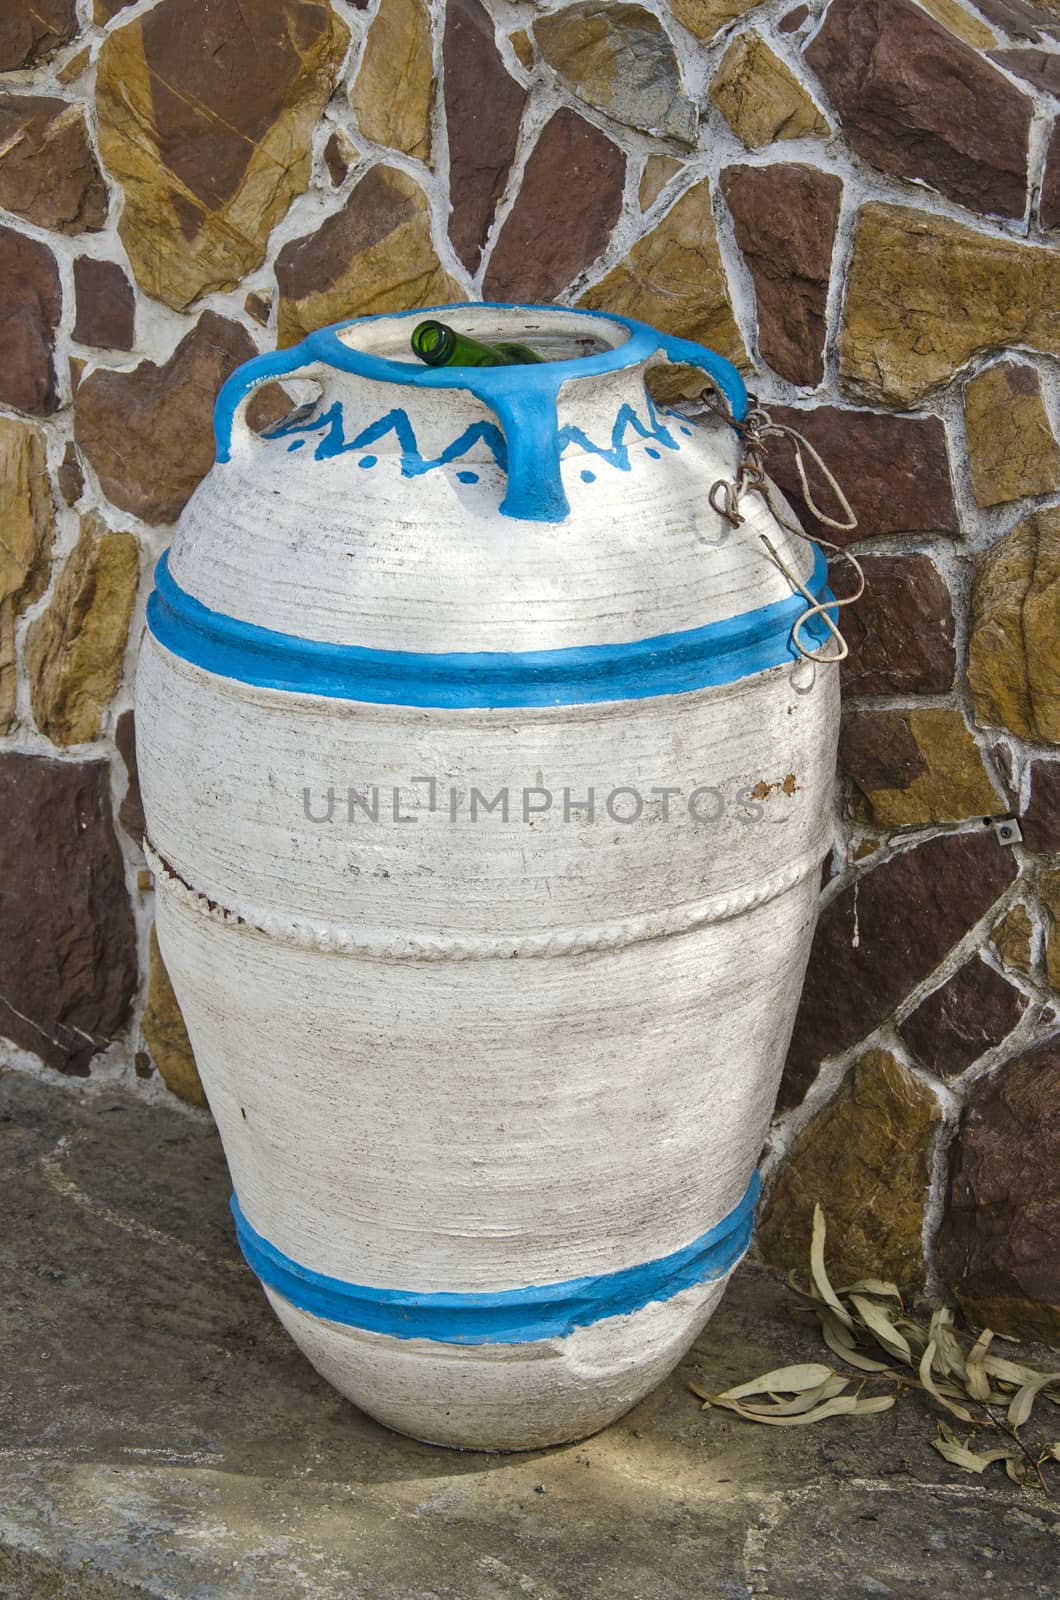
(1019, 19)
(206, 115)
(919, 103)
(68, 968)
(673, 277)
(883, 935)
(394, 91)
(1039, 68)
(866, 1160)
(569, 201)
(760, 98)
(900, 633)
(916, 767)
(1040, 822)
(76, 648)
(340, 154)
(924, 295)
(618, 58)
(106, 307)
(166, 1035)
(30, 300)
(1013, 661)
(1011, 449)
(32, 30)
(48, 169)
(973, 1012)
(131, 810)
(997, 1246)
(70, 478)
(374, 255)
(1049, 199)
(894, 471)
(483, 111)
(785, 217)
(148, 433)
(27, 529)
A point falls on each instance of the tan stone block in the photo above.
(207, 172)
(760, 98)
(925, 294)
(658, 170)
(523, 46)
(74, 67)
(27, 528)
(1013, 659)
(866, 1159)
(673, 277)
(1049, 895)
(620, 59)
(1011, 448)
(916, 767)
(375, 255)
(1013, 939)
(973, 30)
(165, 1033)
(705, 18)
(75, 649)
(394, 91)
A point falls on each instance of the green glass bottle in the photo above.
(441, 346)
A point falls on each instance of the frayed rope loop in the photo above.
(725, 497)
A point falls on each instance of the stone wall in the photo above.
(854, 203)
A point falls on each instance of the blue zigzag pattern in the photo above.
(333, 441)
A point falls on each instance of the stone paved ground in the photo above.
(163, 1437)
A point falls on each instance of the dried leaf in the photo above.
(974, 1371)
(933, 1389)
(1023, 1400)
(882, 1328)
(956, 1451)
(784, 1380)
(842, 1343)
(842, 1405)
(818, 1273)
(1009, 1371)
(1017, 1469)
(875, 1286)
(802, 1402)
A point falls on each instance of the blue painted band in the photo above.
(523, 399)
(671, 663)
(508, 1316)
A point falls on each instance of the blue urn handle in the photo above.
(523, 398)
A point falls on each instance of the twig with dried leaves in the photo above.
(962, 1375)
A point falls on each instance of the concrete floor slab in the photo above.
(162, 1437)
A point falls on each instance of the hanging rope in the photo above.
(725, 498)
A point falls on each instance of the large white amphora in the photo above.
(486, 797)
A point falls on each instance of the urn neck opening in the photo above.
(558, 335)
(576, 344)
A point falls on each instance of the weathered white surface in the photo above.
(327, 550)
(226, 768)
(481, 1125)
(519, 1396)
(461, 1056)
